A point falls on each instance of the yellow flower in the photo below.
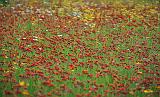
(148, 91)
(22, 83)
(5, 57)
(25, 92)
(14, 62)
(61, 11)
(158, 87)
(138, 63)
(6, 71)
(92, 25)
(88, 16)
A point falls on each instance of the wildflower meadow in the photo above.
(79, 48)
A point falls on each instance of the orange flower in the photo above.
(148, 91)
(158, 87)
(85, 71)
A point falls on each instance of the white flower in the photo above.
(35, 39)
(35, 36)
(40, 48)
(60, 35)
(24, 38)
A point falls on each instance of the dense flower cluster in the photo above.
(83, 50)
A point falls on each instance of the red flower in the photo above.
(56, 73)
(34, 64)
(134, 79)
(93, 89)
(106, 71)
(71, 66)
(74, 79)
(74, 60)
(90, 75)
(21, 47)
(71, 55)
(7, 92)
(8, 74)
(81, 63)
(30, 73)
(133, 20)
(65, 77)
(28, 49)
(56, 67)
(48, 83)
(56, 60)
(128, 67)
(106, 91)
(1, 69)
(87, 95)
(122, 89)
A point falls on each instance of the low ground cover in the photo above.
(81, 49)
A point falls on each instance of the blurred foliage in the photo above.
(4, 2)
